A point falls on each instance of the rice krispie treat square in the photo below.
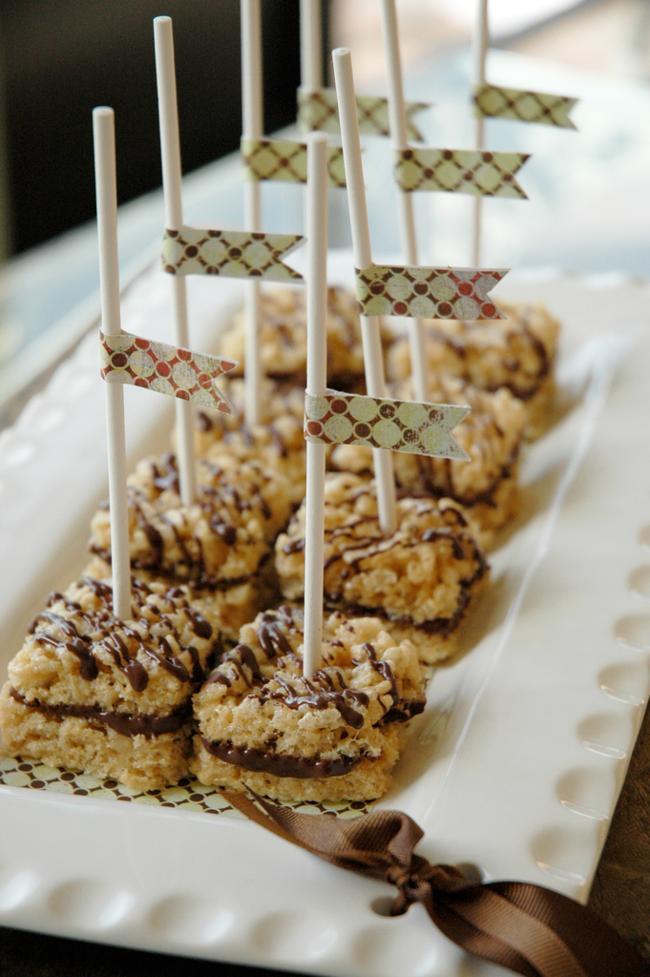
(112, 698)
(220, 540)
(335, 736)
(517, 353)
(487, 485)
(283, 337)
(419, 579)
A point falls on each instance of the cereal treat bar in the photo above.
(221, 543)
(420, 579)
(278, 442)
(517, 353)
(283, 337)
(334, 736)
(487, 486)
(107, 697)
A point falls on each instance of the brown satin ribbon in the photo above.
(529, 929)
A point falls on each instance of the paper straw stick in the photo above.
(399, 139)
(172, 192)
(372, 351)
(252, 128)
(479, 52)
(317, 182)
(109, 284)
(311, 50)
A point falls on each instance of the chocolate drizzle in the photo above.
(281, 764)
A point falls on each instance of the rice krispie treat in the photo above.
(278, 442)
(517, 353)
(487, 486)
(112, 698)
(220, 542)
(420, 579)
(335, 736)
(283, 337)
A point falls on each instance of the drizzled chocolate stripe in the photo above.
(127, 724)
(281, 764)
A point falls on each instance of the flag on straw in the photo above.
(427, 293)
(231, 254)
(513, 103)
(170, 370)
(318, 110)
(480, 173)
(379, 422)
(286, 160)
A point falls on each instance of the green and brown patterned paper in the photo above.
(480, 173)
(319, 111)
(419, 292)
(379, 422)
(514, 103)
(286, 160)
(166, 369)
(230, 254)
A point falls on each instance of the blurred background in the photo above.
(58, 59)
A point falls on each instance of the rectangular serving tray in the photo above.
(515, 765)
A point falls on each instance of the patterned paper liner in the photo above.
(285, 160)
(480, 173)
(496, 102)
(188, 795)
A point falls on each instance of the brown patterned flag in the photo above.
(513, 103)
(482, 174)
(170, 370)
(319, 111)
(428, 293)
(378, 422)
(231, 254)
(286, 160)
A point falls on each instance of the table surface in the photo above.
(583, 215)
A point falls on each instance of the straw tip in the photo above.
(340, 52)
(162, 22)
(103, 112)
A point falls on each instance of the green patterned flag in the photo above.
(319, 111)
(231, 254)
(477, 172)
(417, 292)
(513, 103)
(377, 422)
(286, 160)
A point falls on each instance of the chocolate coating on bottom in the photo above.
(280, 764)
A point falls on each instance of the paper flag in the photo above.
(428, 293)
(232, 254)
(171, 370)
(513, 103)
(482, 174)
(398, 425)
(319, 111)
(286, 160)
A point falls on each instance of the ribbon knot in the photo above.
(422, 882)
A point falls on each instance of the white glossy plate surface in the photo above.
(517, 762)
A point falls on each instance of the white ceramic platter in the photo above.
(517, 762)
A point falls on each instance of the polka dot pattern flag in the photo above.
(428, 293)
(170, 370)
(230, 254)
(396, 425)
(476, 172)
(285, 160)
(318, 111)
(513, 103)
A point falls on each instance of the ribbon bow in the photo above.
(529, 929)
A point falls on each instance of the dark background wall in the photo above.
(59, 58)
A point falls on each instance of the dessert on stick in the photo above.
(301, 709)
(104, 679)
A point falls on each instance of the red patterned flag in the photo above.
(170, 370)
(428, 293)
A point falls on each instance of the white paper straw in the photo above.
(356, 193)
(109, 283)
(316, 386)
(252, 128)
(479, 52)
(172, 192)
(311, 50)
(399, 139)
